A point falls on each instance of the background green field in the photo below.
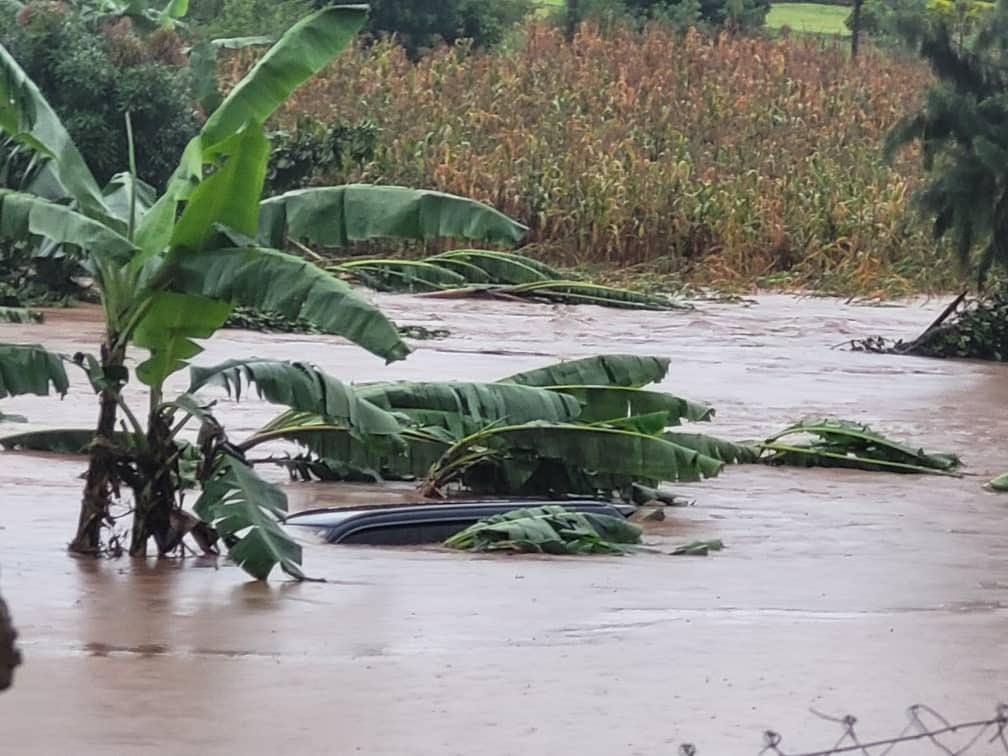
(809, 17)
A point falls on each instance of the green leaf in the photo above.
(464, 408)
(27, 117)
(590, 448)
(20, 315)
(1000, 483)
(716, 448)
(203, 66)
(304, 50)
(273, 281)
(300, 386)
(59, 441)
(333, 216)
(172, 11)
(230, 196)
(407, 456)
(843, 443)
(576, 292)
(245, 509)
(400, 275)
(603, 403)
(31, 369)
(602, 370)
(168, 329)
(500, 267)
(119, 193)
(550, 530)
(25, 215)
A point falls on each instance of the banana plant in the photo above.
(170, 269)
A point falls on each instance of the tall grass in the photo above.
(732, 160)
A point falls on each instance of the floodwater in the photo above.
(839, 590)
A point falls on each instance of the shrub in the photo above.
(210, 19)
(680, 14)
(93, 75)
(730, 160)
(421, 25)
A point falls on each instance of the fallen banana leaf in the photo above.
(549, 530)
(843, 443)
(60, 441)
(576, 292)
(20, 315)
(500, 267)
(401, 275)
(698, 548)
(1000, 483)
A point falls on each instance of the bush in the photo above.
(732, 159)
(93, 75)
(680, 14)
(211, 19)
(421, 25)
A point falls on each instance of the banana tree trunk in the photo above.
(101, 477)
(10, 657)
(154, 491)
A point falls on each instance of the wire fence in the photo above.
(926, 732)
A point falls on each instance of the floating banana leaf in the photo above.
(549, 530)
(843, 443)
(59, 441)
(1000, 483)
(20, 315)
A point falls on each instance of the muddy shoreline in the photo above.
(842, 590)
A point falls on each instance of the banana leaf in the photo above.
(246, 511)
(20, 315)
(1000, 483)
(400, 275)
(300, 386)
(517, 453)
(272, 281)
(628, 370)
(407, 456)
(576, 292)
(550, 530)
(605, 403)
(333, 216)
(717, 448)
(59, 441)
(843, 443)
(31, 369)
(464, 408)
(499, 267)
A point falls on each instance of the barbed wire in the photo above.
(924, 724)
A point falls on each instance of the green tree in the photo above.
(962, 130)
(170, 267)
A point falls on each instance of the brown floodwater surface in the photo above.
(840, 590)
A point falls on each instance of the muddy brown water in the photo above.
(839, 590)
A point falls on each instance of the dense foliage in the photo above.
(93, 71)
(724, 160)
